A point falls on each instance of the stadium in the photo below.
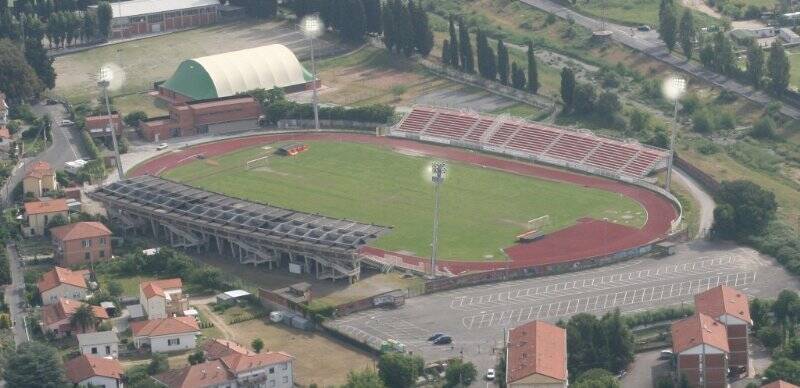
(326, 202)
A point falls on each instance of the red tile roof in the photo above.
(63, 310)
(47, 206)
(779, 384)
(217, 348)
(238, 362)
(699, 329)
(209, 373)
(157, 287)
(58, 276)
(722, 300)
(4, 133)
(164, 326)
(39, 169)
(80, 230)
(537, 348)
(85, 366)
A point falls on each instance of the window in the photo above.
(45, 219)
(87, 256)
(102, 254)
(271, 370)
(108, 349)
(285, 379)
(86, 243)
(94, 350)
(285, 366)
(173, 341)
(102, 241)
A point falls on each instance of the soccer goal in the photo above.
(539, 223)
(256, 163)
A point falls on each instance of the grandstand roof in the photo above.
(145, 7)
(209, 209)
(235, 72)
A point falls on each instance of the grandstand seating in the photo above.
(538, 140)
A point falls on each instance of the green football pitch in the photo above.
(482, 210)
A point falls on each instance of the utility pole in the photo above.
(438, 169)
(673, 88)
(105, 80)
(312, 27)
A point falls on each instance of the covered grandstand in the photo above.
(236, 72)
(186, 217)
(580, 150)
(138, 17)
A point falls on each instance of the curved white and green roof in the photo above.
(236, 72)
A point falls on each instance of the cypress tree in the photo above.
(454, 56)
(533, 71)
(373, 13)
(668, 23)
(502, 62)
(446, 52)
(568, 88)
(487, 67)
(355, 28)
(406, 28)
(423, 36)
(778, 68)
(466, 56)
(687, 33)
(389, 27)
(517, 77)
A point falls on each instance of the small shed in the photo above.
(136, 311)
(665, 248)
(232, 295)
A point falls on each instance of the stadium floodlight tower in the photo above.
(313, 27)
(438, 171)
(673, 88)
(106, 76)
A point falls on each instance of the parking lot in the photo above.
(477, 317)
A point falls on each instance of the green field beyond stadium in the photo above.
(482, 210)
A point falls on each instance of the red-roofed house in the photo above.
(779, 384)
(166, 334)
(731, 307)
(39, 213)
(39, 178)
(270, 369)
(81, 243)
(162, 298)
(56, 317)
(217, 348)
(93, 371)
(700, 344)
(536, 356)
(98, 125)
(62, 283)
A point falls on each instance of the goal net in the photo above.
(539, 223)
(256, 163)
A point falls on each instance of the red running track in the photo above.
(587, 238)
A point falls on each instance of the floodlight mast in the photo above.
(674, 88)
(104, 82)
(438, 171)
(312, 27)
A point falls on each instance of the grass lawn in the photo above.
(634, 12)
(481, 212)
(130, 285)
(794, 61)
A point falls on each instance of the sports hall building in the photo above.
(139, 17)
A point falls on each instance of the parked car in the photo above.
(435, 337)
(162, 146)
(665, 355)
(643, 27)
(490, 375)
(443, 340)
(67, 123)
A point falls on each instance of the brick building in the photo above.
(730, 307)
(700, 344)
(80, 243)
(536, 356)
(204, 116)
(139, 17)
(38, 215)
(98, 125)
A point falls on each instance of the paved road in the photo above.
(14, 297)
(702, 199)
(67, 145)
(649, 44)
(476, 317)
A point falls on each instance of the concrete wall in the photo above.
(101, 351)
(98, 381)
(66, 291)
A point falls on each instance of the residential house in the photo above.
(63, 283)
(4, 109)
(56, 317)
(163, 298)
(779, 384)
(94, 372)
(217, 348)
(536, 356)
(239, 368)
(81, 243)
(732, 309)
(38, 215)
(40, 178)
(101, 343)
(166, 334)
(700, 345)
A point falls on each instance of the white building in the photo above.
(166, 334)
(162, 298)
(95, 372)
(63, 283)
(102, 344)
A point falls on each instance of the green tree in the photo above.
(104, 15)
(36, 56)
(665, 382)
(687, 33)
(640, 120)
(159, 363)
(786, 306)
(399, 370)
(759, 313)
(423, 35)
(366, 378)
(724, 57)
(744, 209)
(620, 342)
(668, 23)
(778, 68)
(585, 343)
(701, 122)
(454, 47)
(197, 357)
(373, 12)
(764, 128)
(459, 374)
(567, 88)
(608, 104)
(405, 29)
(755, 63)
(533, 71)
(18, 79)
(783, 369)
(596, 378)
(517, 77)
(585, 99)
(487, 65)
(500, 369)
(257, 345)
(356, 26)
(114, 289)
(34, 364)
(389, 27)
(503, 68)
(466, 56)
(134, 118)
(446, 52)
(83, 318)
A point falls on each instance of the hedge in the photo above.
(659, 315)
(377, 113)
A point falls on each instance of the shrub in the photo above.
(764, 128)
(701, 122)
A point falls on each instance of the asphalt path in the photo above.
(14, 296)
(649, 43)
(477, 317)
